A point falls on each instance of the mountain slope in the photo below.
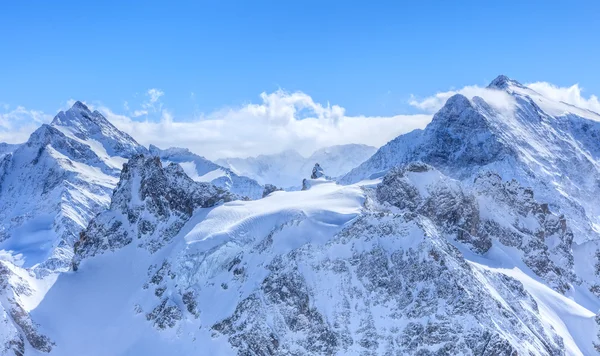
(532, 139)
(50, 188)
(287, 169)
(52, 185)
(408, 265)
(202, 170)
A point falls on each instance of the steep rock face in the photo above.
(459, 139)
(149, 206)
(489, 212)
(512, 216)
(202, 170)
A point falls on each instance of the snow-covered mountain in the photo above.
(55, 183)
(283, 169)
(414, 263)
(550, 146)
(52, 185)
(475, 236)
(50, 188)
(202, 170)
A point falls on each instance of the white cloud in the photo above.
(138, 113)
(280, 121)
(497, 98)
(10, 256)
(16, 125)
(154, 94)
(151, 105)
(570, 95)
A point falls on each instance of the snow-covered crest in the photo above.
(536, 141)
(52, 185)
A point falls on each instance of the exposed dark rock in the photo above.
(270, 188)
(165, 197)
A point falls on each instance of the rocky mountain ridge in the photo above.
(202, 170)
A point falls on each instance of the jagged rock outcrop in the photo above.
(491, 211)
(270, 188)
(317, 176)
(317, 172)
(149, 206)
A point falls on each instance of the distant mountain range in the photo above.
(284, 169)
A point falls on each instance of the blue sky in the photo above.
(367, 57)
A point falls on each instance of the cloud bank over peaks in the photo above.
(16, 124)
(280, 121)
(497, 98)
(277, 121)
(570, 95)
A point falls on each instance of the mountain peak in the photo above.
(454, 106)
(503, 82)
(78, 105)
(458, 100)
(317, 172)
(78, 114)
